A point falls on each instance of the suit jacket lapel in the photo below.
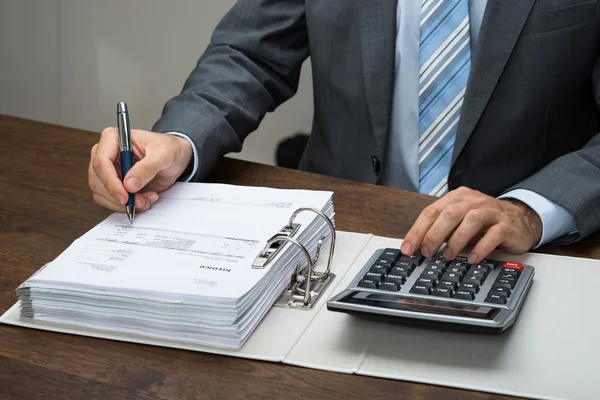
(502, 23)
(378, 37)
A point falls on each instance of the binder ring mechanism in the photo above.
(306, 285)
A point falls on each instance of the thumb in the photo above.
(143, 172)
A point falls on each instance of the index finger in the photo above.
(414, 238)
(104, 161)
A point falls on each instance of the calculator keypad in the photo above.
(442, 278)
(390, 271)
(505, 282)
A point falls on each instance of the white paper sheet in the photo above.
(183, 269)
(198, 239)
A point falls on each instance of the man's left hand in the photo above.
(465, 216)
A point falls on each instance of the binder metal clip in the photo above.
(303, 292)
(306, 284)
(274, 245)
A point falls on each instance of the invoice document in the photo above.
(186, 262)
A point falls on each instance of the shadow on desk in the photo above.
(413, 345)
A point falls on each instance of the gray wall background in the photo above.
(70, 61)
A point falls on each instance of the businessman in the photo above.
(490, 105)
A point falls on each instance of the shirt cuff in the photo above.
(194, 156)
(556, 220)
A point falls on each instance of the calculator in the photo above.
(436, 292)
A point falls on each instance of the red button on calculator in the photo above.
(515, 265)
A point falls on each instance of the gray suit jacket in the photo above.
(529, 118)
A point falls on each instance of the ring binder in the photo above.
(304, 289)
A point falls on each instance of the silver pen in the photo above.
(126, 154)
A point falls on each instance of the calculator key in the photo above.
(504, 275)
(511, 271)
(499, 293)
(391, 254)
(397, 279)
(478, 272)
(460, 272)
(500, 289)
(373, 276)
(417, 258)
(368, 283)
(507, 283)
(442, 262)
(460, 264)
(435, 267)
(386, 262)
(478, 279)
(427, 282)
(481, 267)
(463, 295)
(441, 292)
(516, 265)
(401, 271)
(382, 269)
(495, 298)
(472, 287)
(406, 264)
(452, 277)
(390, 286)
(447, 284)
(419, 289)
(432, 274)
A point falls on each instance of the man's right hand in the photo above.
(161, 159)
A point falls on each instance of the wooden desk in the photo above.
(45, 204)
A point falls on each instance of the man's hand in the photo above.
(161, 160)
(465, 216)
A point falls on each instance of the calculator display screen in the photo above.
(412, 304)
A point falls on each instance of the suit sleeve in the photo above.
(572, 182)
(251, 65)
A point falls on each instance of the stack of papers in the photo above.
(183, 270)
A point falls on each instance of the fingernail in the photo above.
(473, 258)
(425, 251)
(406, 248)
(134, 184)
(447, 253)
(152, 198)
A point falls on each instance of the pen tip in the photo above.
(130, 213)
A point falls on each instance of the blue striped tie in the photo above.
(445, 62)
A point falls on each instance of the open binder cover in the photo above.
(551, 352)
